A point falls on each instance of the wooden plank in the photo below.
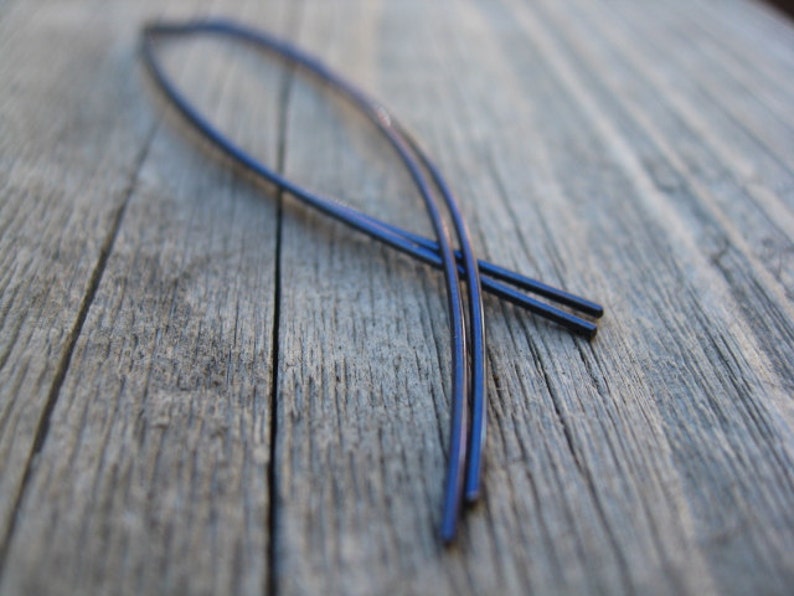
(753, 406)
(641, 462)
(640, 155)
(153, 475)
(68, 157)
(361, 424)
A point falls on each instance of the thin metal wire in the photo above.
(474, 339)
(476, 326)
(424, 249)
(435, 253)
(459, 333)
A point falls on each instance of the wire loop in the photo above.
(467, 326)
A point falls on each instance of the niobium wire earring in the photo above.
(457, 265)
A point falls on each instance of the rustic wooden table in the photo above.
(206, 388)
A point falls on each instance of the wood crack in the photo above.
(63, 365)
(272, 580)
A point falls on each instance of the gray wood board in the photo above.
(207, 388)
(153, 474)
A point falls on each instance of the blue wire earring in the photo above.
(467, 432)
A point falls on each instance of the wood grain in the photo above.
(69, 160)
(153, 475)
(207, 388)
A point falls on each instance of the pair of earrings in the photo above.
(460, 267)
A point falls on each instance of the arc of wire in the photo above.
(465, 354)
(473, 337)
(423, 249)
(477, 326)
(463, 450)
(459, 344)
(471, 271)
(408, 147)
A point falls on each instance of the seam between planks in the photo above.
(271, 586)
(43, 427)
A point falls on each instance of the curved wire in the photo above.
(437, 254)
(459, 340)
(476, 324)
(493, 274)
(405, 144)
(403, 141)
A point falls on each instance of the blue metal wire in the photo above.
(459, 343)
(424, 249)
(439, 253)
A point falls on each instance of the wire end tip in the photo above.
(471, 493)
(448, 531)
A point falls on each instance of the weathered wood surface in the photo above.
(205, 388)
